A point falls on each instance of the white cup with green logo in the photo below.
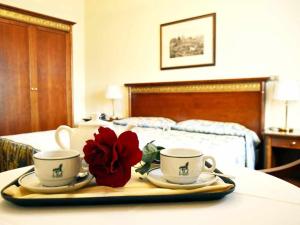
(184, 165)
(57, 168)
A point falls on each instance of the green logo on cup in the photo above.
(57, 172)
(184, 170)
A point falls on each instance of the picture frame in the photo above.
(188, 43)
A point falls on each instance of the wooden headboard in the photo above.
(229, 100)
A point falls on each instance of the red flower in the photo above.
(110, 158)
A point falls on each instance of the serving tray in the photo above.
(198, 196)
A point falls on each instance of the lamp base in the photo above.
(112, 118)
(285, 130)
(282, 130)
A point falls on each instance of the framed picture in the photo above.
(188, 43)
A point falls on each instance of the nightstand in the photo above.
(95, 123)
(281, 141)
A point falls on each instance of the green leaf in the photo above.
(157, 157)
(149, 153)
(160, 148)
(143, 169)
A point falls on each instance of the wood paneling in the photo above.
(35, 71)
(51, 78)
(231, 100)
(14, 78)
(209, 106)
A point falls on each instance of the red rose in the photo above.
(110, 158)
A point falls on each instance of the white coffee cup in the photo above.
(77, 136)
(57, 168)
(184, 165)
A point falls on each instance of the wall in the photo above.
(72, 11)
(254, 38)
(116, 41)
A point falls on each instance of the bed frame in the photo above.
(229, 100)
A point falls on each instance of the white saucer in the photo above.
(32, 183)
(155, 176)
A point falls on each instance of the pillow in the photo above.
(214, 127)
(151, 122)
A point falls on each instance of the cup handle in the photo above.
(213, 165)
(57, 136)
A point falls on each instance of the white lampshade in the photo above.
(113, 92)
(287, 90)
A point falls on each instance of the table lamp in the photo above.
(287, 91)
(113, 92)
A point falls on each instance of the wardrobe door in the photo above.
(15, 115)
(53, 72)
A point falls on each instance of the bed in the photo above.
(217, 102)
(221, 102)
(273, 201)
(17, 150)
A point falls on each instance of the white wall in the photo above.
(73, 11)
(254, 38)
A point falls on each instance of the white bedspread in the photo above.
(228, 150)
(43, 140)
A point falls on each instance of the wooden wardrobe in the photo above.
(35, 71)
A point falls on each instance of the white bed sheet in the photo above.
(42, 140)
(227, 150)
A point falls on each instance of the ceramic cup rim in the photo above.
(56, 155)
(181, 153)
